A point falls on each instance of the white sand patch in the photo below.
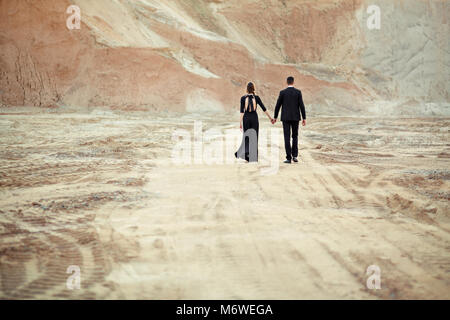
(191, 65)
(236, 34)
(200, 100)
(409, 109)
(115, 24)
(170, 13)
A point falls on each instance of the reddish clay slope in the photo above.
(185, 55)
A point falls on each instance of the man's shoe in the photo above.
(295, 159)
(287, 161)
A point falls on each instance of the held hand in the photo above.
(240, 126)
(304, 123)
(273, 121)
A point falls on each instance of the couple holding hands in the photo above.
(291, 103)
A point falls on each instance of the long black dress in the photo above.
(249, 146)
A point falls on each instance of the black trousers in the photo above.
(288, 127)
(247, 152)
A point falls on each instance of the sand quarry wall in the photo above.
(195, 55)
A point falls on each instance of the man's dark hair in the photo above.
(290, 80)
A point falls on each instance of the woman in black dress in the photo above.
(250, 123)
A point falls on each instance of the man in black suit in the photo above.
(291, 101)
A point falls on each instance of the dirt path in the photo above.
(99, 191)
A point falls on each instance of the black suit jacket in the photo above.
(291, 101)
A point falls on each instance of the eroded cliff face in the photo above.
(192, 55)
(410, 56)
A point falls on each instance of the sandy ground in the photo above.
(99, 190)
